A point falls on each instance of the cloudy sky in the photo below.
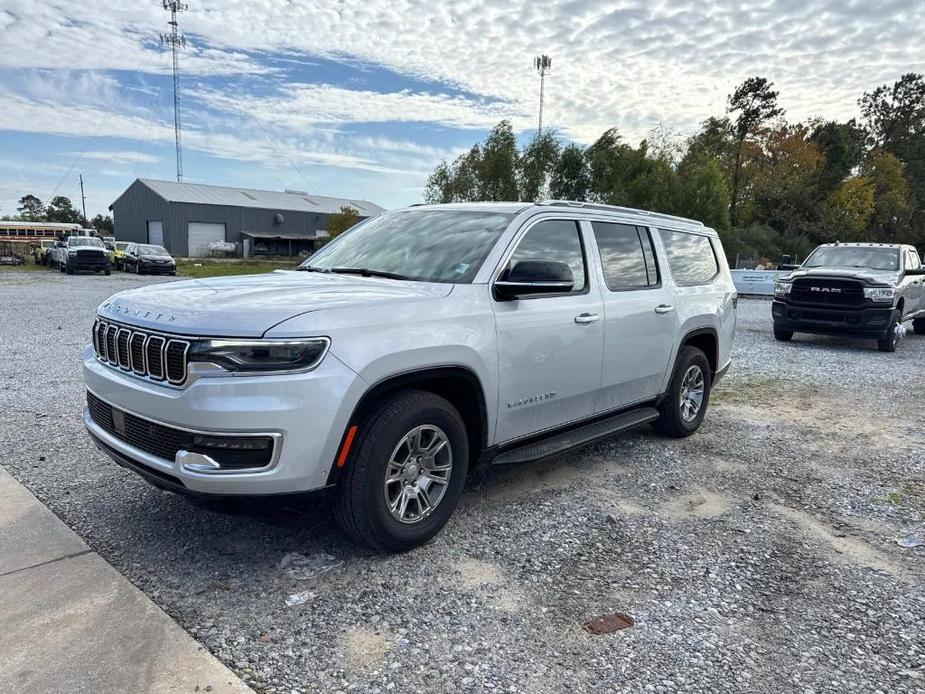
(361, 98)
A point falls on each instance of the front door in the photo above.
(549, 346)
(641, 320)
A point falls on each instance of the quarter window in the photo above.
(912, 260)
(554, 240)
(690, 257)
(626, 255)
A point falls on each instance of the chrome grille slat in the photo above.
(150, 355)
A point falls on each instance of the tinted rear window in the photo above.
(626, 256)
(690, 257)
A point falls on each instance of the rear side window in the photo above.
(554, 240)
(626, 256)
(690, 257)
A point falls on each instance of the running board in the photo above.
(576, 437)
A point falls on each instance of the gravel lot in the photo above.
(760, 555)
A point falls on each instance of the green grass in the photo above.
(213, 268)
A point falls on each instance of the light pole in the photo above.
(543, 64)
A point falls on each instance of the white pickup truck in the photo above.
(416, 346)
(80, 254)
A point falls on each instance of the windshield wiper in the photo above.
(368, 273)
(310, 268)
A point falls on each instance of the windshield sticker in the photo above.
(461, 268)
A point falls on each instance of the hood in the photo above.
(868, 275)
(249, 305)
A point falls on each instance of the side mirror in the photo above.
(531, 277)
(917, 271)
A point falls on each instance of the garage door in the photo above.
(156, 233)
(201, 234)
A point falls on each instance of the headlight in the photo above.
(256, 356)
(72, 252)
(880, 293)
(782, 288)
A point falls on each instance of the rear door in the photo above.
(915, 284)
(549, 346)
(640, 316)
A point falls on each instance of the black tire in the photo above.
(671, 422)
(107, 272)
(890, 340)
(68, 269)
(61, 268)
(783, 335)
(137, 269)
(360, 505)
(918, 325)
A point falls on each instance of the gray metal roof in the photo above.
(250, 197)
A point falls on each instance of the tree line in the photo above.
(59, 209)
(769, 186)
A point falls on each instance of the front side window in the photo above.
(690, 257)
(626, 255)
(554, 240)
(427, 245)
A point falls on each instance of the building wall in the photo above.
(139, 204)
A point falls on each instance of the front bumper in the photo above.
(157, 268)
(307, 413)
(862, 322)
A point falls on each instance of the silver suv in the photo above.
(416, 346)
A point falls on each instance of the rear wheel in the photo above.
(918, 325)
(890, 340)
(405, 473)
(685, 403)
(783, 335)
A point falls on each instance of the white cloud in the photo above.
(124, 157)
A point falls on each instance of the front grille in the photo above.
(827, 292)
(163, 441)
(157, 357)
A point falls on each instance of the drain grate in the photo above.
(608, 623)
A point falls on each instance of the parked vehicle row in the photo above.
(412, 348)
(857, 289)
(86, 253)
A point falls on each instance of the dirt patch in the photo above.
(364, 649)
(851, 549)
(476, 573)
(699, 504)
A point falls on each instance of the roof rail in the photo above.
(617, 208)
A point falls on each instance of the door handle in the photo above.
(664, 308)
(587, 318)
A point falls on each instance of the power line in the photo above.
(543, 64)
(176, 41)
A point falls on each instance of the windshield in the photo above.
(121, 245)
(425, 244)
(146, 249)
(854, 256)
(85, 241)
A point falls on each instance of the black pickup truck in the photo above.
(861, 289)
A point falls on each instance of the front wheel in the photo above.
(783, 335)
(405, 473)
(890, 340)
(685, 404)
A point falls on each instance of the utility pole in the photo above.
(83, 198)
(176, 41)
(543, 64)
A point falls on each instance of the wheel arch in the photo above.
(457, 384)
(707, 341)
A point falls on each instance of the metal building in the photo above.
(186, 218)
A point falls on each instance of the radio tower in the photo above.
(543, 64)
(176, 41)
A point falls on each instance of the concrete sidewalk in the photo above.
(71, 623)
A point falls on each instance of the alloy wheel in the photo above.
(417, 473)
(692, 391)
